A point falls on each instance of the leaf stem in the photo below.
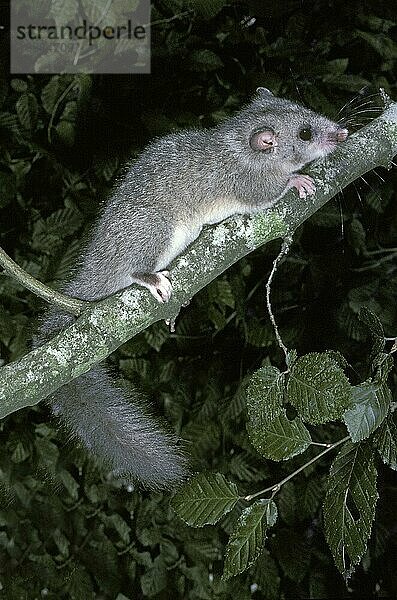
(71, 305)
(276, 488)
(283, 252)
(55, 109)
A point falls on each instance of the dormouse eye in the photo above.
(305, 134)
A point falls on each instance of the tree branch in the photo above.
(106, 325)
(72, 305)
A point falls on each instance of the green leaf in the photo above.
(381, 43)
(222, 293)
(385, 440)
(357, 236)
(311, 497)
(70, 483)
(19, 85)
(382, 365)
(265, 395)
(318, 388)
(66, 132)
(338, 358)
(258, 335)
(207, 8)
(27, 111)
(154, 580)
(8, 187)
(372, 321)
(292, 552)
(337, 66)
(205, 60)
(244, 468)
(63, 11)
(349, 506)
(371, 403)
(20, 453)
(287, 503)
(280, 439)
(267, 576)
(205, 499)
(247, 540)
(53, 91)
(377, 202)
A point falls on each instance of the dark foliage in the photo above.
(67, 532)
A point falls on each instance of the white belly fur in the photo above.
(186, 233)
(181, 239)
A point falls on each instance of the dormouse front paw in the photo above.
(303, 183)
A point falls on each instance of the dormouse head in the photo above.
(276, 132)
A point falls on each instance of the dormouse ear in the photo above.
(262, 91)
(264, 140)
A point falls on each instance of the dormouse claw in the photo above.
(303, 183)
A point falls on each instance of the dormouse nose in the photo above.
(341, 135)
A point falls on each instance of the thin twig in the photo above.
(71, 305)
(284, 250)
(276, 488)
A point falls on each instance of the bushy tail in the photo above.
(114, 424)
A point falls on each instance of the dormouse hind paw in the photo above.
(158, 284)
(303, 183)
(163, 287)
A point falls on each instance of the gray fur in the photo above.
(179, 183)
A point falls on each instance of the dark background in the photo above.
(65, 530)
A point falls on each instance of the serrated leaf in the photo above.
(222, 293)
(264, 396)
(287, 503)
(66, 132)
(19, 85)
(337, 357)
(9, 121)
(260, 336)
(156, 335)
(310, 498)
(293, 553)
(349, 506)
(8, 187)
(247, 540)
(53, 91)
(243, 467)
(61, 541)
(207, 8)
(357, 236)
(205, 499)
(281, 438)
(20, 453)
(372, 321)
(154, 580)
(119, 525)
(370, 405)
(63, 222)
(63, 11)
(382, 365)
(318, 388)
(380, 42)
(385, 440)
(70, 483)
(205, 60)
(27, 111)
(267, 576)
(67, 260)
